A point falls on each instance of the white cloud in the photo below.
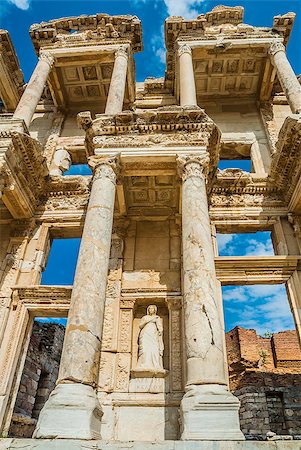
(158, 46)
(262, 307)
(257, 248)
(245, 244)
(236, 294)
(185, 8)
(21, 4)
(223, 240)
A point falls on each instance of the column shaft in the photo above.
(34, 89)
(187, 81)
(74, 395)
(117, 85)
(85, 319)
(287, 77)
(208, 410)
(203, 327)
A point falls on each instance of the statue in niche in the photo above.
(150, 341)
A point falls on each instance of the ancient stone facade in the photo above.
(147, 217)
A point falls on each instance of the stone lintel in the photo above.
(233, 270)
(252, 41)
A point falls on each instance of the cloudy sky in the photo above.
(264, 308)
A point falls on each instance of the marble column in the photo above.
(34, 89)
(208, 410)
(117, 85)
(73, 410)
(187, 81)
(286, 76)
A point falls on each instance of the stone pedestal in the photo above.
(117, 85)
(208, 410)
(286, 76)
(73, 409)
(34, 89)
(187, 81)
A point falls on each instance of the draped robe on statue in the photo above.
(150, 343)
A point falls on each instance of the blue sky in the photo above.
(17, 15)
(264, 308)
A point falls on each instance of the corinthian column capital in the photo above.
(47, 57)
(184, 48)
(105, 167)
(122, 51)
(193, 166)
(276, 47)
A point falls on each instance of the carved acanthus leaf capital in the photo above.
(185, 48)
(122, 51)
(105, 167)
(47, 57)
(276, 47)
(193, 166)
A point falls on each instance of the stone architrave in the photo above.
(73, 410)
(286, 75)
(208, 410)
(117, 85)
(187, 81)
(34, 89)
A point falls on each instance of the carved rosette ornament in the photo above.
(193, 166)
(105, 167)
(47, 57)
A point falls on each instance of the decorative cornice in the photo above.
(88, 30)
(285, 168)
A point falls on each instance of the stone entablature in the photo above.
(87, 30)
(11, 76)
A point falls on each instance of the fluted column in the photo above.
(286, 76)
(187, 81)
(117, 85)
(34, 89)
(208, 409)
(74, 396)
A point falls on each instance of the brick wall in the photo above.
(38, 378)
(265, 374)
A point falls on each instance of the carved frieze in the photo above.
(88, 30)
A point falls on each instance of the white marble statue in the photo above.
(150, 352)
(61, 162)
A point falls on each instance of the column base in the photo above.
(71, 412)
(210, 412)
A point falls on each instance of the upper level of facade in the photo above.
(228, 89)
